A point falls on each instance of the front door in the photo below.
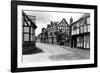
(74, 43)
(80, 41)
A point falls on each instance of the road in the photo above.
(51, 52)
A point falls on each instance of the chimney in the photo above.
(51, 24)
(43, 29)
(71, 20)
(48, 26)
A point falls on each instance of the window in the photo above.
(88, 28)
(74, 27)
(32, 34)
(88, 20)
(77, 30)
(85, 21)
(31, 37)
(86, 41)
(81, 22)
(31, 30)
(85, 28)
(26, 29)
(26, 37)
(80, 42)
(77, 24)
(81, 29)
(72, 32)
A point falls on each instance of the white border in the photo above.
(74, 62)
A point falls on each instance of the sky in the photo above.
(43, 18)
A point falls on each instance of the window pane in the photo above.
(86, 41)
(85, 30)
(31, 30)
(88, 27)
(31, 37)
(74, 27)
(77, 30)
(88, 20)
(72, 32)
(26, 37)
(81, 28)
(85, 21)
(26, 29)
(78, 39)
(84, 44)
(87, 45)
(81, 23)
(77, 24)
(85, 38)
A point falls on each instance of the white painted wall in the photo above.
(5, 27)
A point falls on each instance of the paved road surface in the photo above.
(53, 52)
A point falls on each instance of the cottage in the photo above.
(56, 33)
(28, 33)
(80, 32)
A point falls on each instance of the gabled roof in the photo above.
(62, 21)
(56, 25)
(29, 19)
(83, 16)
(86, 15)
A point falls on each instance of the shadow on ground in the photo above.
(36, 50)
(60, 57)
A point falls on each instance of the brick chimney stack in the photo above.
(71, 20)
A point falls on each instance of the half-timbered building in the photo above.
(56, 33)
(28, 33)
(80, 32)
(63, 32)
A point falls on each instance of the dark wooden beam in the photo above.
(32, 24)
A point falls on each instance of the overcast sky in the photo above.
(43, 18)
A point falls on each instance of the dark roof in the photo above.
(62, 21)
(56, 24)
(83, 16)
(30, 19)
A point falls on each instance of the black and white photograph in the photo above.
(55, 36)
(50, 36)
